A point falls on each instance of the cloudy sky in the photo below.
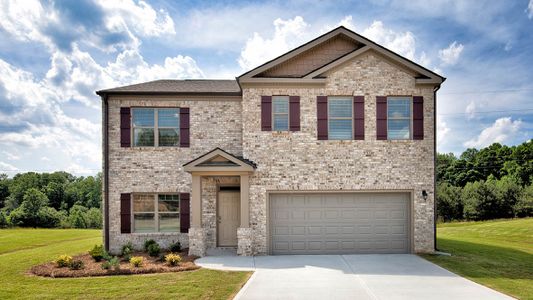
(55, 54)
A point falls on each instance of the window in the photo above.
(156, 127)
(398, 118)
(280, 113)
(156, 213)
(340, 118)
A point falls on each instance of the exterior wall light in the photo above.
(424, 195)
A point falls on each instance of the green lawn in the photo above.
(497, 254)
(22, 248)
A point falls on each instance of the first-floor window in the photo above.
(399, 118)
(156, 213)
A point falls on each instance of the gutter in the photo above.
(435, 165)
(106, 170)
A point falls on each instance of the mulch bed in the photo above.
(92, 268)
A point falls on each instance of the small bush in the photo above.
(175, 247)
(127, 250)
(154, 250)
(148, 243)
(136, 261)
(172, 259)
(97, 252)
(76, 265)
(112, 263)
(63, 261)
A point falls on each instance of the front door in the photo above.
(228, 217)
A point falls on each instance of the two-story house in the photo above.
(329, 148)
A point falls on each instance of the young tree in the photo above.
(27, 214)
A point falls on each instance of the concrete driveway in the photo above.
(334, 277)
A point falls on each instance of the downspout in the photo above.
(435, 167)
(106, 171)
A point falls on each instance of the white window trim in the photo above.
(155, 127)
(155, 212)
(334, 98)
(410, 118)
(288, 114)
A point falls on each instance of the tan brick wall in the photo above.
(214, 123)
(301, 162)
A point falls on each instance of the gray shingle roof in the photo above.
(187, 86)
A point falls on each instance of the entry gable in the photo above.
(219, 160)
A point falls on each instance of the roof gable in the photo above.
(324, 53)
(219, 160)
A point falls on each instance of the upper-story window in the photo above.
(340, 118)
(399, 118)
(156, 127)
(156, 213)
(280, 113)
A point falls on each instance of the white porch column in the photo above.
(245, 201)
(196, 202)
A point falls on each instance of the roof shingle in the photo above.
(187, 86)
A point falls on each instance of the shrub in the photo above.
(63, 261)
(175, 247)
(48, 217)
(136, 261)
(94, 218)
(112, 263)
(97, 252)
(127, 250)
(172, 259)
(76, 265)
(148, 243)
(154, 250)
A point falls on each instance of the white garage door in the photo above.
(339, 223)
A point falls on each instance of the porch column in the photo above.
(196, 202)
(245, 201)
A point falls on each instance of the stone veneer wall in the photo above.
(301, 162)
(214, 123)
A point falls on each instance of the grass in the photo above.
(22, 248)
(497, 254)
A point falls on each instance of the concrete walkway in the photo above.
(335, 277)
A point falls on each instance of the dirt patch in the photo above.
(92, 268)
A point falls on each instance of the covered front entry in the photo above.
(220, 215)
(340, 223)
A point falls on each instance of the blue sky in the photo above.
(55, 54)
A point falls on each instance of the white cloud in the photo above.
(470, 110)
(258, 50)
(503, 130)
(7, 167)
(450, 55)
(401, 42)
(442, 130)
(529, 9)
(11, 156)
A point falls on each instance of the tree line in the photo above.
(490, 183)
(50, 200)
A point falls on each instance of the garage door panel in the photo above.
(339, 223)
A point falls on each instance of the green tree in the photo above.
(94, 218)
(449, 204)
(78, 216)
(507, 191)
(480, 200)
(27, 214)
(4, 189)
(524, 204)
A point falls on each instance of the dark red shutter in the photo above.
(184, 127)
(294, 113)
(266, 113)
(359, 117)
(185, 212)
(125, 213)
(322, 117)
(418, 118)
(381, 118)
(125, 127)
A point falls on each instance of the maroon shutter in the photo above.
(266, 113)
(185, 212)
(125, 127)
(359, 117)
(294, 113)
(418, 118)
(381, 118)
(322, 117)
(184, 127)
(125, 213)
